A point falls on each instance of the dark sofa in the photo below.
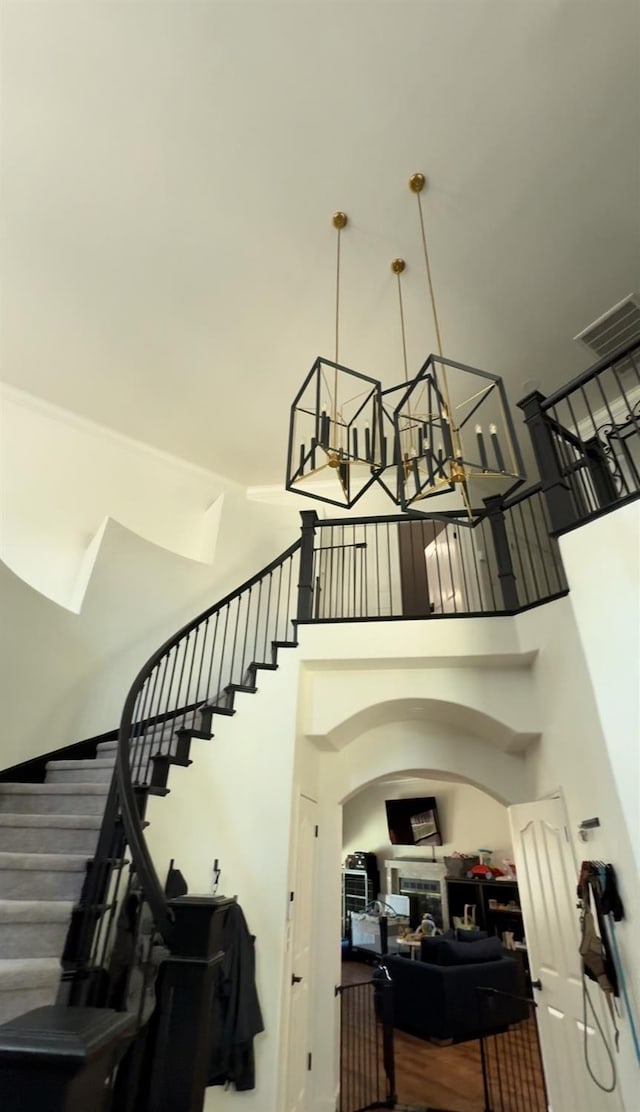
(438, 998)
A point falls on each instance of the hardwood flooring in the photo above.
(438, 1079)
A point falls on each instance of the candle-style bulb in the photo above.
(493, 429)
(479, 428)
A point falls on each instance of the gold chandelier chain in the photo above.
(455, 431)
(335, 373)
(402, 330)
(429, 277)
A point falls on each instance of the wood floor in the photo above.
(431, 1077)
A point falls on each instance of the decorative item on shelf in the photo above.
(459, 864)
(466, 922)
(336, 448)
(485, 870)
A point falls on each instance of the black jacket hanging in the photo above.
(237, 1017)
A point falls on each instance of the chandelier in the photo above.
(335, 431)
(446, 431)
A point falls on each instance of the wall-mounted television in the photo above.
(413, 822)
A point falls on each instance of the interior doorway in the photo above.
(427, 1074)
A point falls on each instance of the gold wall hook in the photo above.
(339, 220)
(398, 265)
(417, 183)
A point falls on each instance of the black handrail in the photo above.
(591, 372)
(130, 813)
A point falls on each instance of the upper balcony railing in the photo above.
(586, 439)
(397, 567)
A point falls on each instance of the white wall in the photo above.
(63, 478)
(469, 819)
(233, 804)
(572, 755)
(603, 564)
(65, 676)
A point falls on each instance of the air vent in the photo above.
(615, 328)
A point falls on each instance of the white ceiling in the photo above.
(170, 169)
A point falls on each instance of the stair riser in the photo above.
(43, 804)
(18, 1001)
(38, 884)
(79, 776)
(41, 839)
(32, 940)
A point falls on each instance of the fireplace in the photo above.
(424, 884)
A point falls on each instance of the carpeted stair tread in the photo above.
(79, 772)
(81, 798)
(35, 911)
(57, 789)
(52, 862)
(26, 973)
(48, 833)
(89, 765)
(104, 748)
(42, 876)
(73, 822)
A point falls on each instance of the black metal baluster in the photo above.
(538, 543)
(582, 475)
(219, 694)
(364, 578)
(229, 677)
(476, 571)
(453, 582)
(529, 580)
(376, 533)
(266, 621)
(391, 605)
(187, 695)
(290, 600)
(255, 640)
(439, 577)
(490, 568)
(246, 634)
(207, 693)
(137, 739)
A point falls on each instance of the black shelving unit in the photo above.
(481, 893)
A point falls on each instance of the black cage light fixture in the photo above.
(446, 431)
(336, 450)
(453, 432)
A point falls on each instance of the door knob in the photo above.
(537, 984)
(295, 980)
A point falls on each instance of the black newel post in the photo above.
(506, 574)
(182, 1038)
(305, 581)
(62, 1059)
(555, 484)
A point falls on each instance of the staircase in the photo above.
(48, 833)
(48, 837)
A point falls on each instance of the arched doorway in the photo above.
(408, 739)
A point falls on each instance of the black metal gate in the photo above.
(367, 1069)
(512, 1072)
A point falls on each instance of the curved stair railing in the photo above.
(192, 677)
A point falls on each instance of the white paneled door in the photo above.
(547, 879)
(301, 922)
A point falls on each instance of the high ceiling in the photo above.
(170, 170)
